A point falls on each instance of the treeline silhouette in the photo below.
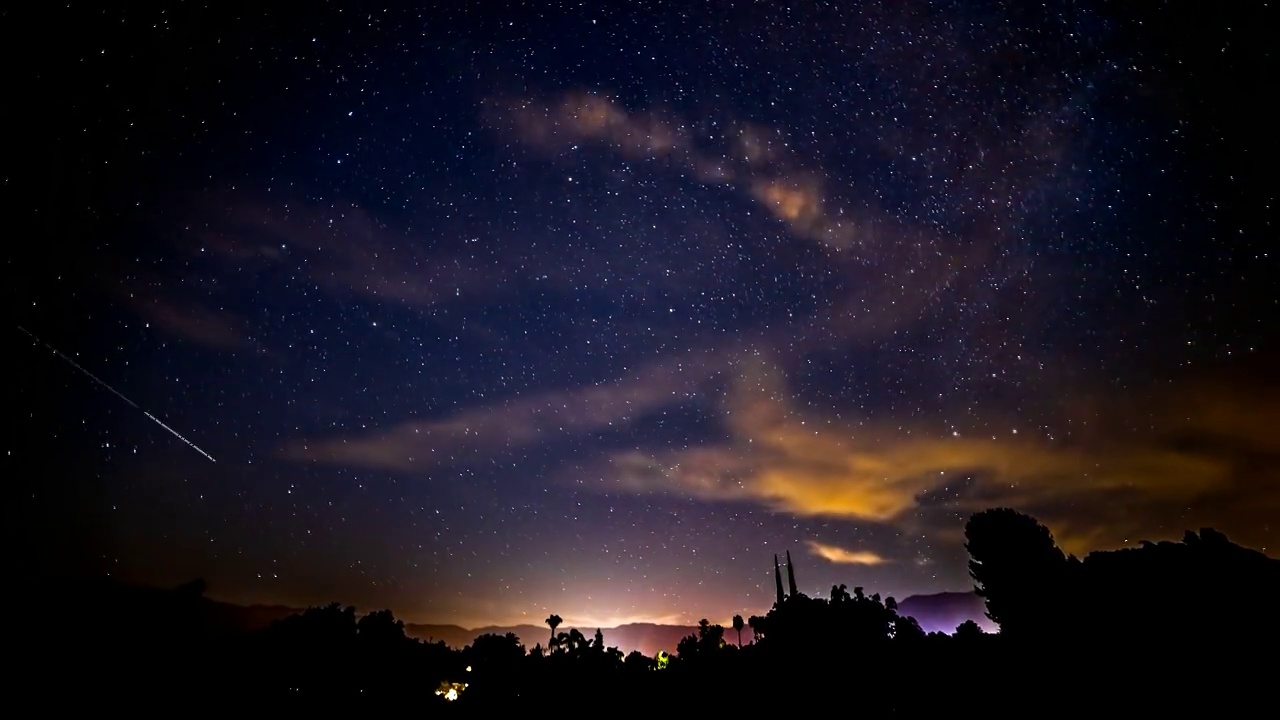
(1182, 626)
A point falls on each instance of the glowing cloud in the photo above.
(1098, 491)
(845, 557)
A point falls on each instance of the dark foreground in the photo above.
(1056, 678)
(1166, 630)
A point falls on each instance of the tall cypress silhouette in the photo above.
(777, 577)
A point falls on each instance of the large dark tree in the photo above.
(1018, 569)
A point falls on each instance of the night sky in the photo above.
(495, 311)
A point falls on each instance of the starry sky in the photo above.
(494, 310)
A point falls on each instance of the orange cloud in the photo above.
(789, 203)
(798, 200)
(1105, 490)
(840, 555)
(591, 117)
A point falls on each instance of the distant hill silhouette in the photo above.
(944, 611)
(86, 604)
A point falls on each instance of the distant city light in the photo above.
(451, 691)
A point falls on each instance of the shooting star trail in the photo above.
(117, 393)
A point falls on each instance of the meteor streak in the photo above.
(117, 393)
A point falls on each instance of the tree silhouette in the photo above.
(554, 621)
(737, 626)
(572, 642)
(490, 653)
(907, 629)
(637, 661)
(1178, 586)
(1018, 569)
(968, 630)
(707, 642)
(380, 626)
(840, 593)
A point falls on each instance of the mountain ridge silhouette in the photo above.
(70, 598)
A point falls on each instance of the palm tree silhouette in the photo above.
(738, 625)
(554, 621)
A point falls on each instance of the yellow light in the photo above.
(451, 690)
(663, 659)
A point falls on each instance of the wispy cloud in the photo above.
(472, 434)
(757, 163)
(197, 323)
(842, 556)
(344, 250)
(894, 268)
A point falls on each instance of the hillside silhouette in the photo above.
(86, 604)
(1152, 629)
(945, 611)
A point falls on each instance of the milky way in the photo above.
(489, 314)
